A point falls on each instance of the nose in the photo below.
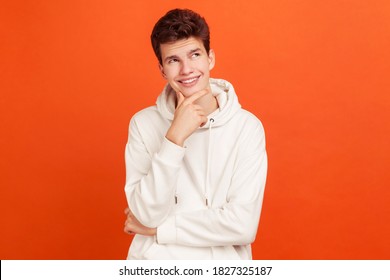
(186, 67)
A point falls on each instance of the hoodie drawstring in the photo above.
(207, 183)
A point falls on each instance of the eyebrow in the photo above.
(195, 50)
(189, 53)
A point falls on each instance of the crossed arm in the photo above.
(133, 226)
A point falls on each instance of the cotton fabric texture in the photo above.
(204, 198)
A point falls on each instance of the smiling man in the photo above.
(196, 163)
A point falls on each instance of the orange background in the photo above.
(315, 72)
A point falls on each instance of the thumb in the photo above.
(180, 98)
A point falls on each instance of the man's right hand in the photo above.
(188, 117)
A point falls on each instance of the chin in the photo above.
(190, 91)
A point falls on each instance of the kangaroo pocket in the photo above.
(157, 252)
(230, 253)
(177, 252)
(146, 248)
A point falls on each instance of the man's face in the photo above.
(186, 65)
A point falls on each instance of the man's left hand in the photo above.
(133, 226)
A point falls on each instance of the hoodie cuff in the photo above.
(166, 232)
(171, 153)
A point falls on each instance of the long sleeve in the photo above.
(236, 222)
(150, 178)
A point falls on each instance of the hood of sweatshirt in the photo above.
(221, 89)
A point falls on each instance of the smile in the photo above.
(189, 81)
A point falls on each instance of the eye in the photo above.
(173, 60)
(195, 55)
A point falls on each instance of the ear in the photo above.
(162, 71)
(211, 59)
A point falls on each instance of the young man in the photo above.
(196, 162)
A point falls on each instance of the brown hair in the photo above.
(179, 24)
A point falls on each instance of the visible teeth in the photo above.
(188, 81)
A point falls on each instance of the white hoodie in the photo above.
(205, 198)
